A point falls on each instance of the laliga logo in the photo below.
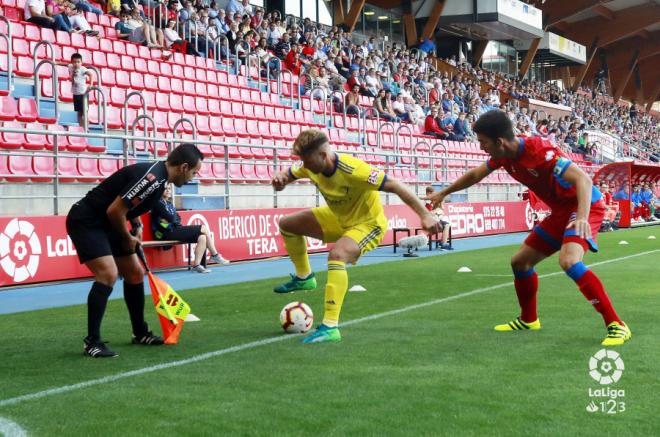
(529, 215)
(19, 250)
(606, 366)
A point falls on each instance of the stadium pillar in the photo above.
(434, 18)
(354, 13)
(478, 50)
(566, 77)
(338, 8)
(411, 29)
(626, 76)
(529, 57)
(583, 70)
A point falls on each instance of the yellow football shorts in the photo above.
(367, 236)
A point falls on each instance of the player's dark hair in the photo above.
(185, 153)
(76, 56)
(494, 124)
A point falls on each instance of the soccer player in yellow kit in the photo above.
(353, 219)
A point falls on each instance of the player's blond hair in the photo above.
(309, 141)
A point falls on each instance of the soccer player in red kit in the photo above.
(577, 212)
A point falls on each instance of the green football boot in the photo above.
(295, 284)
(323, 334)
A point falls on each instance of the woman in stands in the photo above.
(166, 225)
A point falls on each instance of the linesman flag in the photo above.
(170, 307)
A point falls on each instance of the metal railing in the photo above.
(232, 163)
(37, 87)
(10, 56)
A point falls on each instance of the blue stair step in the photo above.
(23, 90)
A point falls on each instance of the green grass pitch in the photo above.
(438, 369)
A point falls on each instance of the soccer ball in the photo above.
(296, 318)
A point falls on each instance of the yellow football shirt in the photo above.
(351, 191)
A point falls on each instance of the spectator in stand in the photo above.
(383, 106)
(172, 39)
(431, 125)
(426, 45)
(87, 7)
(352, 101)
(78, 22)
(78, 75)
(460, 129)
(57, 11)
(257, 19)
(234, 7)
(283, 48)
(292, 62)
(141, 34)
(35, 13)
(399, 108)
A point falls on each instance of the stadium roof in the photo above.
(624, 34)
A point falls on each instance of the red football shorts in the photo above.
(548, 236)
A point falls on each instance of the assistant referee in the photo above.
(97, 225)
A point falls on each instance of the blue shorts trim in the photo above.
(546, 237)
(577, 271)
(519, 274)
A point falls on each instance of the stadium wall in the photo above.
(37, 249)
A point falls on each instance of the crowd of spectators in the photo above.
(401, 83)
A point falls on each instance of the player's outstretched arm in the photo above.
(583, 185)
(428, 221)
(281, 180)
(467, 180)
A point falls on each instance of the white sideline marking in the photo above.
(493, 275)
(11, 429)
(267, 341)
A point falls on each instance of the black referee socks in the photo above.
(134, 297)
(96, 302)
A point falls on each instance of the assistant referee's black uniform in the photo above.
(140, 186)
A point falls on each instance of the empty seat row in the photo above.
(21, 168)
(40, 141)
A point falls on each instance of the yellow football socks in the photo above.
(297, 249)
(335, 291)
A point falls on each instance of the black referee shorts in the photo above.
(185, 234)
(92, 235)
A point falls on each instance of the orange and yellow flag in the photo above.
(171, 308)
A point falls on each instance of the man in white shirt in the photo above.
(35, 12)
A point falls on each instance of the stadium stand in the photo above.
(245, 105)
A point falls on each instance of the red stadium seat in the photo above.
(20, 167)
(88, 169)
(67, 169)
(151, 82)
(27, 110)
(35, 141)
(219, 171)
(8, 108)
(205, 174)
(235, 174)
(9, 140)
(76, 144)
(107, 166)
(44, 168)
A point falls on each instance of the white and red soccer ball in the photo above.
(296, 318)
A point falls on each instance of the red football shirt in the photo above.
(540, 165)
